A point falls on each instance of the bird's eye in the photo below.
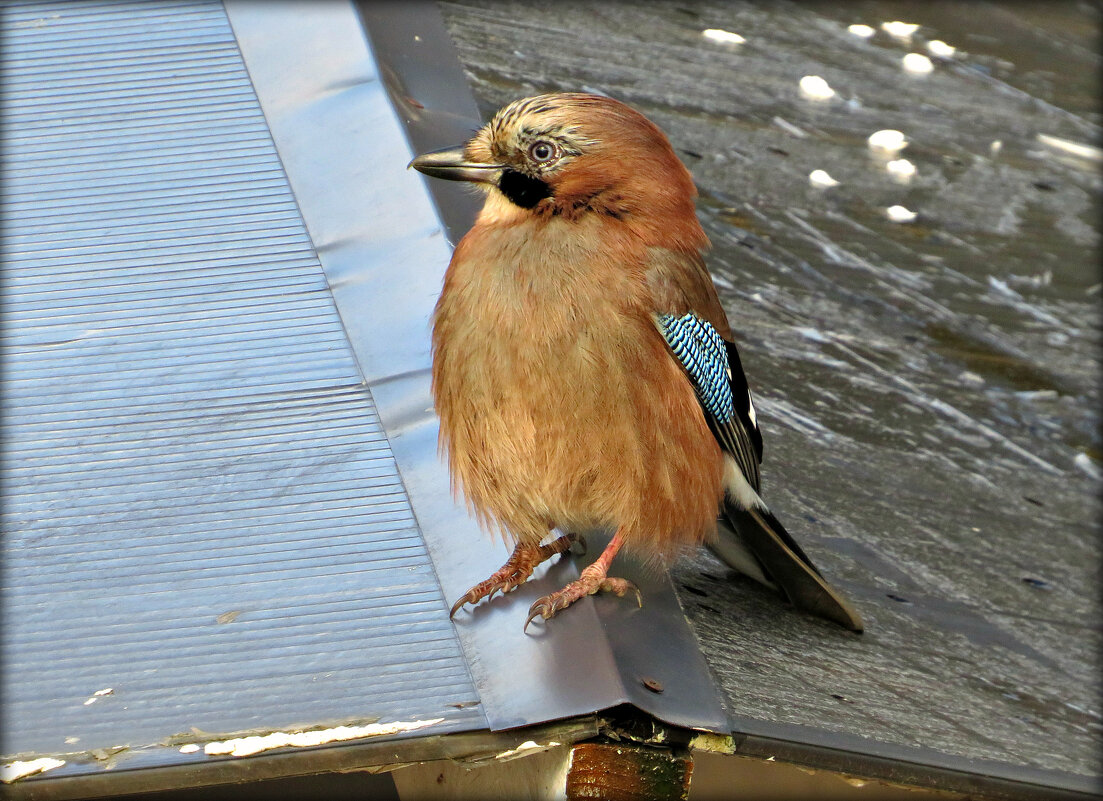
(543, 152)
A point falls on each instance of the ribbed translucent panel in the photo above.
(201, 511)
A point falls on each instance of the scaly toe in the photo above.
(548, 606)
(621, 587)
(482, 592)
(514, 572)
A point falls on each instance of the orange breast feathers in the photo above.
(559, 402)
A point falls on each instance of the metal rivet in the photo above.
(654, 685)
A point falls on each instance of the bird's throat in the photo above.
(522, 189)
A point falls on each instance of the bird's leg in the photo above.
(516, 570)
(594, 579)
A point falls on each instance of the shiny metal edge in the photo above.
(248, 379)
(148, 774)
(373, 228)
(520, 682)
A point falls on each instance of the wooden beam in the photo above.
(627, 772)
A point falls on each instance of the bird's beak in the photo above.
(451, 165)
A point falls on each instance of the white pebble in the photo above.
(720, 35)
(971, 378)
(821, 179)
(815, 88)
(918, 63)
(901, 30)
(888, 140)
(900, 214)
(937, 47)
(1085, 463)
(901, 169)
(995, 148)
(861, 30)
(1087, 152)
(1037, 395)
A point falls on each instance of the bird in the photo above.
(584, 371)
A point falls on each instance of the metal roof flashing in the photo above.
(650, 647)
(380, 243)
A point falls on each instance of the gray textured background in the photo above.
(923, 402)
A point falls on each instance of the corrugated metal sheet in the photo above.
(187, 434)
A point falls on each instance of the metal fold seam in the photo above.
(378, 239)
(430, 94)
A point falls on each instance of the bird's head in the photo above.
(569, 156)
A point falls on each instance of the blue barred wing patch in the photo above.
(701, 352)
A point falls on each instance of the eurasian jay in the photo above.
(583, 368)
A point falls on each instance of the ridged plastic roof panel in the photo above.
(202, 513)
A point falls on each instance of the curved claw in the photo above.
(532, 616)
(541, 609)
(464, 599)
(621, 587)
(514, 572)
(476, 594)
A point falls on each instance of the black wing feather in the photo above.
(741, 390)
(740, 436)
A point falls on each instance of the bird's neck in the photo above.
(605, 215)
(535, 268)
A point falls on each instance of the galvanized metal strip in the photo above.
(522, 680)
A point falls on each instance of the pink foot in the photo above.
(594, 579)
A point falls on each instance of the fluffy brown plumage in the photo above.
(560, 400)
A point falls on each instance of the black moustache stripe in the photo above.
(522, 189)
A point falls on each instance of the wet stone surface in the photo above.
(928, 390)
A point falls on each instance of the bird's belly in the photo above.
(546, 422)
(579, 427)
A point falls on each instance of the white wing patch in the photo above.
(737, 486)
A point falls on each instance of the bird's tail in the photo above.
(758, 545)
